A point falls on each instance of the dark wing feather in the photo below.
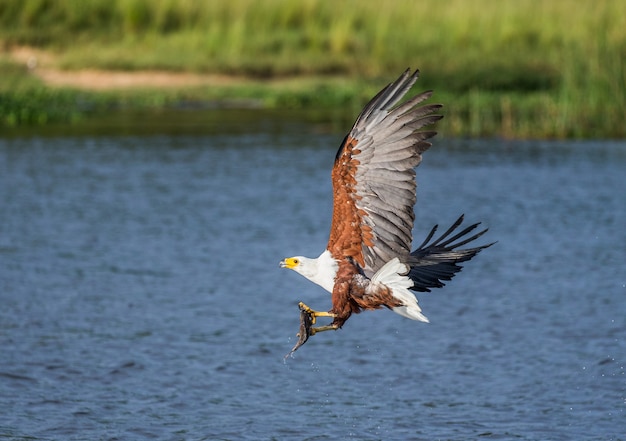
(431, 263)
(374, 177)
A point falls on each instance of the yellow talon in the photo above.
(314, 313)
(313, 317)
(307, 319)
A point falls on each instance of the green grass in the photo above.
(23, 100)
(525, 68)
(26, 100)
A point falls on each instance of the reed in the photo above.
(520, 69)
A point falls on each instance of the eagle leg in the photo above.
(314, 314)
(324, 328)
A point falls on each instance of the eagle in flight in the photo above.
(368, 263)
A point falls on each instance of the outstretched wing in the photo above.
(432, 263)
(374, 177)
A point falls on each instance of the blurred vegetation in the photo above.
(525, 68)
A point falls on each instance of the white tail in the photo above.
(394, 275)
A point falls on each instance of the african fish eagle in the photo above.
(368, 262)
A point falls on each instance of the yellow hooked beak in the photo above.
(289, 262)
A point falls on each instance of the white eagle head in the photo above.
(300, 264)
(321, 270)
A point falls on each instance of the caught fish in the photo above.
(306, 323)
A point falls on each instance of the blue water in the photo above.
(141, 298)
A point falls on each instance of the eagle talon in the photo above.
(313, 313)
(304, 309)
(306, 327)
(308, 317)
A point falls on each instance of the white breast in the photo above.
(325, 272)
